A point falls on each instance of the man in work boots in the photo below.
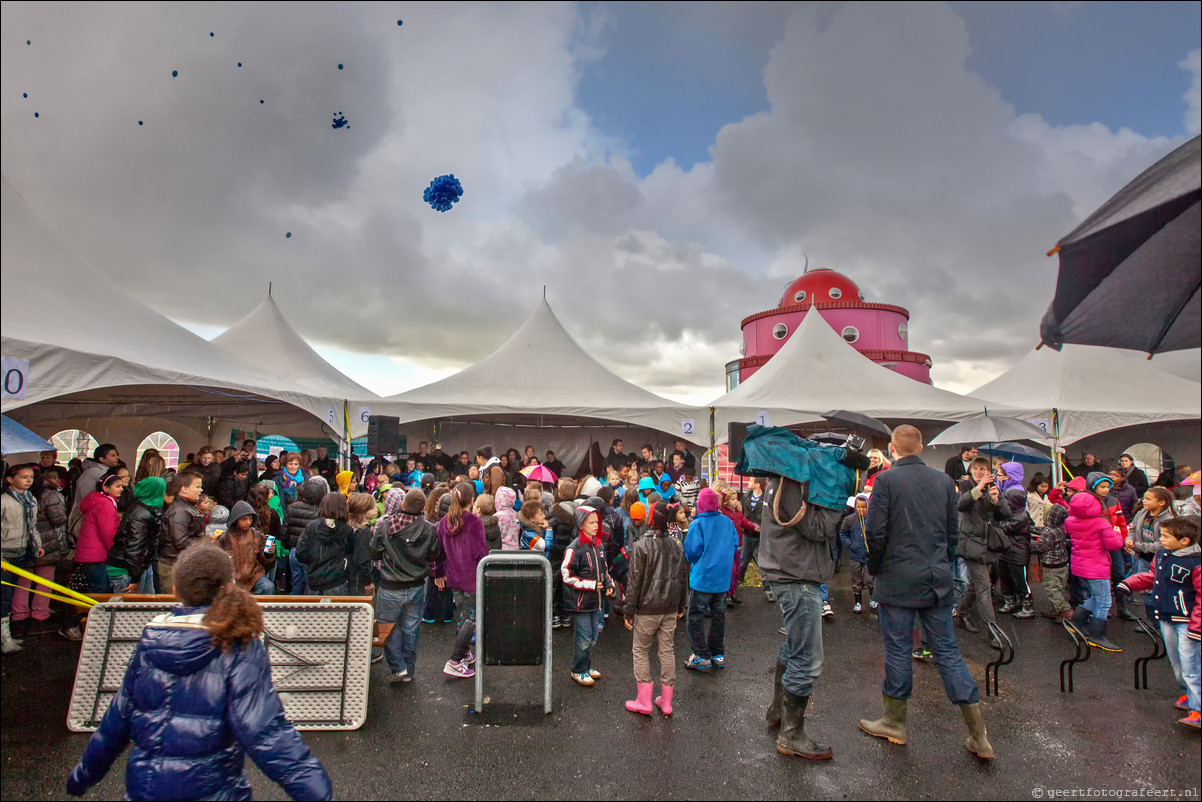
(912, 537)
(795, 560)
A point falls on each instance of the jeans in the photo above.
(1185, 654)
(750, 545)
(7, 591)
(300, 576)
(714, 605)
(402, 609)
(826, 593)
(439, 604)
(119, 583)
(588, 628)
(801, 605)
(338, 590)
(147, 584)
(897, 628)
(1098, 602)
(263, 587)
(960, 578)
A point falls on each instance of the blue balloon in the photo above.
(35, 114)
(340, 122)
(443, 192)
(260, 102)
(339, 66)
(210, 33)
(398, 22)
(139, 122)
(24, 94)
(175, 73)
(288, 235)
(239, 63)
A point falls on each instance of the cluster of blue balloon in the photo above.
(443, 192)
(340, 122)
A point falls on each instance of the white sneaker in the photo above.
(401, 676)
(583, 679)
(873, 605)
(857, 608)
(594, 673)
(827, 612)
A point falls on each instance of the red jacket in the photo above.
(742, 524)
(98, 528)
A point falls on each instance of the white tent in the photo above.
(817, 371)
(102, 361)
(538, 379)
(1093, 390)
(265, 337)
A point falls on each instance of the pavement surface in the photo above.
(421, 741)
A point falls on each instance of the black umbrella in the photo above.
(1129, 275)
(1015, 451)
(855, 422)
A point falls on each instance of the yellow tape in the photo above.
(21, 572)
(55, 596)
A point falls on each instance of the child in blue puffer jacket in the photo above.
(197, 695)
(855, 542)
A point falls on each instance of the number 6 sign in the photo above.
(364, 414)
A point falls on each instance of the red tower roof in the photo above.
(820, 286)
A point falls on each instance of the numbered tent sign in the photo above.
(330, 413)
(16, 377)
(688, 427)
(364, 414)
(1039, 423)
(761, 418)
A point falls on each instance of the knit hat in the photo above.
(590, 487)
(1095, 478)
(343, 480)
(1078, 484)
(708, 500)
(638, 511)
(150, 491)
(415, 502)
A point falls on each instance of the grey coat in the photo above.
(798, 553)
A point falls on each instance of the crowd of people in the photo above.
(647, 540)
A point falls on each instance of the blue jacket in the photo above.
(192, 711)
(855, 538)
(710, 546)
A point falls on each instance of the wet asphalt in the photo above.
(421, 740)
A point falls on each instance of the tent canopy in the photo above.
(87, 341)
(1095, 389)
(264, 337)
(817, 370)
(540, 371)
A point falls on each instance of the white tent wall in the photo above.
(1182, 440)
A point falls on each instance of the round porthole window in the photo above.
(835, 293)
(742, 349)
(903, 329)
(851, 334)
(799, 296)
(780, 331)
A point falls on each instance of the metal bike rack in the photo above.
(1005, 658)
(506, 628)
(1158, 653)
(1083, 653)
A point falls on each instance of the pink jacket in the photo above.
(98, 529)
(1092, 537)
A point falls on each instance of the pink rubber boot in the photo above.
(643, 703)
(664, 700)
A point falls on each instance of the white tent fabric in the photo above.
(541, 372)
(93, 347)
(817, 371)
(264, 337)
(1094, 389)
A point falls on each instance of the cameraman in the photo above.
(980, 506)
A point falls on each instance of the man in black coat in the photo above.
(957, 467)
(912, 537)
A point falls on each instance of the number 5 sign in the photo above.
(15, 376)
(364, 414)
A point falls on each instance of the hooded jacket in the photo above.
(137, 541)
(408, 556)
(181, 526)
(246, 549)
(52, 526)
(303, 511)
(328, 552)
(192, 712)
(1017, 526)
(798, 553)
(492, 531)
(462, 551)
(584, 569)
(1050, 541)
(1092, 537)
(977, 512)
(1016, 472)
(98, 528)
(1141, 545)
(657, 582)
(507, 518)
(531, 536)
(854, 535)
(88, 481)
(710, 546)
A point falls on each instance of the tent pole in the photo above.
(713, 464)
(1057, 469)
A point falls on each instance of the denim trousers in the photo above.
(588, 629)
(300, 579)
(1098, 602)
(263, 587)
(750, 545)
(402, 609)
(1185, 655)
(801, 606)
(713, 605)
(897, 632)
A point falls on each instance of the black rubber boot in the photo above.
(1097, 636)
(1080, 619)
(1010, 604)
(1027, 610)
(1120, 602)
(778, 697)
(793, 739)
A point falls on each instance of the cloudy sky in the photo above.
(661, 168)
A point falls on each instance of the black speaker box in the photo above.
(383, 435)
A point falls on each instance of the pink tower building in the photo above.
(878, 331)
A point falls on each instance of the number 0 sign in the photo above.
(15, 376)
